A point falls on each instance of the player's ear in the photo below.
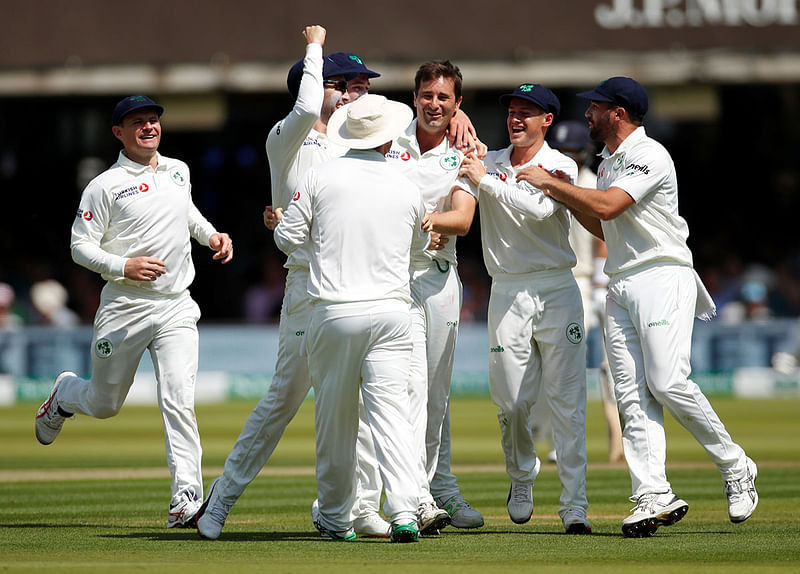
(548, 119)
(117, 131)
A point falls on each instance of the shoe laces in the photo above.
(645, 503)
(520, 493)
(219, 510)
(735, 488)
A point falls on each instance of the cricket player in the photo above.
(536, 334)
(654, 294)
(134, 226)
(571, 138)
(294, 145)
(359, 336)
(424, 154)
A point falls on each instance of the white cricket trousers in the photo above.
(362, 346)
(125, 325)
(436, 293)
(290, 385)
(649, 320)
(536, 342)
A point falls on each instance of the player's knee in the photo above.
(106, 410)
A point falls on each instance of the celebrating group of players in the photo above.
(367, 202)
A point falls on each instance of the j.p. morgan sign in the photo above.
(617, 14)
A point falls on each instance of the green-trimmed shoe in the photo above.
(405, 532)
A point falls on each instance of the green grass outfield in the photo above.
(96, 501)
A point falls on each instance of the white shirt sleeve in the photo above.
(521, 196)
(295, 227)
(199, 227)
(86, 238)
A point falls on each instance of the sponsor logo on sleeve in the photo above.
(296, 196)
(143, 187)
(87, 215)
(634, 167)
(497, 349)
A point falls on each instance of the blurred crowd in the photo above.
(743, 291)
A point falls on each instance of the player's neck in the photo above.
(428, 140)
(148, 158)
(520, 155)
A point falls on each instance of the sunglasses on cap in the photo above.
(338, 85)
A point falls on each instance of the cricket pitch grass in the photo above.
(96, 501)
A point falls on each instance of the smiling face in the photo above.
(526, 123)
(140, 134)
(436, 103)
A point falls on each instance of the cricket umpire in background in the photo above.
(134, 227)
(654, 294)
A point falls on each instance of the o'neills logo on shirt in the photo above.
(645, 169)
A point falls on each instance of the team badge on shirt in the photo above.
(574, 333)
(177, 177)
(449, 162)
(103, 348)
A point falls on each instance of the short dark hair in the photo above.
(438, 69)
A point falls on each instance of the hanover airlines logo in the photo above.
(574, 333)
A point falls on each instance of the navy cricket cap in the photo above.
(569, 135)
(337, 64)
(624, 92)
(351, 65)
(536, 94)
(127, 105)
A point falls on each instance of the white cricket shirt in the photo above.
(651, 228)
(364, 220)
(581, 240)
(293, 146)
(132, 210)
(522, 229)
(436, 174)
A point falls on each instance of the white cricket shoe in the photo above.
(462, 515)
(520, 502)
(340, 536)
(742, 495)
(212, 514)
(431, 518)
(48, 418)
(372, 526)
(574, 521)
(183, 514)
(651, 511)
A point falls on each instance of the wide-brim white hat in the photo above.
(368, 122)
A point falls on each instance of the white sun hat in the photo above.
(368, 122)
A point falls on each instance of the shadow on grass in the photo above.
(227, 537)
(45, 525)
